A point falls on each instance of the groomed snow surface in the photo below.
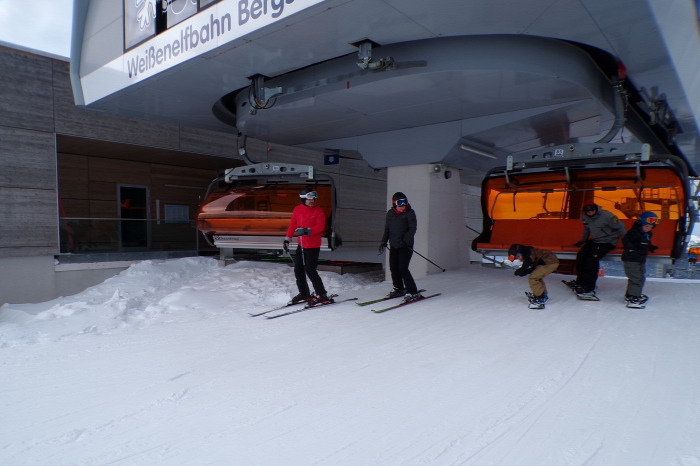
(162, 365)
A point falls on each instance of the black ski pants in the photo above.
(588, 263)
(305, 265)
(401, 278)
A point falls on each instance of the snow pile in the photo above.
(162, 365)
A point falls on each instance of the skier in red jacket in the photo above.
(308, 225)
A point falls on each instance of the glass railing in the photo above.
(114, 235)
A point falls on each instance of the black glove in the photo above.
(578, 244)
(285, 245)
(302, 231)
(382, 247)
(653, 248)
(522, 271)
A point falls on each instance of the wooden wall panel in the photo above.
(73, 176)
(120, 171)
(75, 208)
(361, 193)
(103, 208)
(178, 185)
(28, 159)
(29, 220)
(361, 227)
(26, 91)
(200, 141)
(88, 123)
(102, 191)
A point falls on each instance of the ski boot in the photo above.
(320, 299)
(300, 298)
(536, 302)
(412, 297)
(637, 302)
(396, 293)
(573, 284)
(587, 296)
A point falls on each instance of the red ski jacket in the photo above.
(308, 217)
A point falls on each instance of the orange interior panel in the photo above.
(544, 209)
(255, 210)
(549, 195)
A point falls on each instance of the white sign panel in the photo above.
(211, 28)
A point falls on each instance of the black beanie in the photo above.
(514, 249)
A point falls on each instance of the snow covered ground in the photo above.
(162, 365)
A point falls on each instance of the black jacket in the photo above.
(636, 244)
(399, 229)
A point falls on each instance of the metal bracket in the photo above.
(261, 94)
(593, 152)
(269, 169)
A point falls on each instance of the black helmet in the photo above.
(515, 249)
(399, 199)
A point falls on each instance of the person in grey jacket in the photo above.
(601, 232)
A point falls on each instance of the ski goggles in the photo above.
(309, 195)
(401, 202)
(590, 208)
(651, 221)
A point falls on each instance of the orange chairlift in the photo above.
(250, 207)
(537, 198)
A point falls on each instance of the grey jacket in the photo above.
(603, 227)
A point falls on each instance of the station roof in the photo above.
(408, 81)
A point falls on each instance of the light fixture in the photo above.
(477, 151)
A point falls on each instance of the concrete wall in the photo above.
(35, 279)
(439, 205)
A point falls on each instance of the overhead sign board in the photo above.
(212, 27)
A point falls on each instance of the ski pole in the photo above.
(413, 250)
(289, 253)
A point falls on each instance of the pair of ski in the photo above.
(396, 306)
(268, 314)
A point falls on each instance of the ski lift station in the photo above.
(191, 125)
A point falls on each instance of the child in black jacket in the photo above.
(637, 245)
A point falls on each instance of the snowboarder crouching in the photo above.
(637, 245)
(538, 263)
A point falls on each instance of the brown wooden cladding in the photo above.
(89, 185)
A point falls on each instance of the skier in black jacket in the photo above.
(399, 229)
(637, 245)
